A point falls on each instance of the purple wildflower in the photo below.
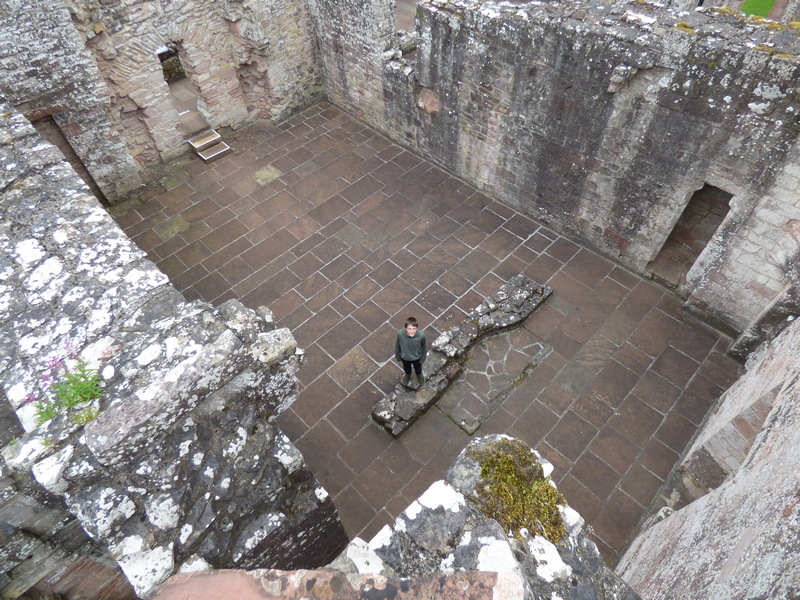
(71, 349)
(29, 399)
(47, 379)
(55, 363)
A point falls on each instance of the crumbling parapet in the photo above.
(176, 463)
(446, 546)
(507, 307)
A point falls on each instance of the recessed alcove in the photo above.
(701, 218)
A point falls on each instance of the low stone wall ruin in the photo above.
(177, 463)
(510, 305)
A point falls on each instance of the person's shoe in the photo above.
(405, 379)
(421, 379)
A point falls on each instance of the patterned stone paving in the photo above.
(342, 234)
(495, 367)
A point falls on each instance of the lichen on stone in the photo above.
(516, 493)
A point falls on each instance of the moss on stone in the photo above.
(516, 493)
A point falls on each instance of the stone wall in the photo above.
(353, 36)
(245, 59)
(443, 546)
(604, 119)
(178, 464)
(46, 71)
(95, 68)
(740, 539)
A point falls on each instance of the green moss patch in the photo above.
(516, 493)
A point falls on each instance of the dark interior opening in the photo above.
(696, 226)
(171, 63)
(184, 93)
(50, 131)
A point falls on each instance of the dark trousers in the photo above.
(407, 366)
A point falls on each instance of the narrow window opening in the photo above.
(696, 226)
(171, 63)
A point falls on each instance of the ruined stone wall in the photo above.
(45, 70)
(448, 545)
(95, 68)
(179, 464)
(245, 59)
(353, 36)
(604, 119)
(739, 540)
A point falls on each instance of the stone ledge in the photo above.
(507, 307)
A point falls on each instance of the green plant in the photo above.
(516, 493)
(44, 411)
(67, 385)
(78, 385)
(83, 417)
(758, 8)
(48, 442)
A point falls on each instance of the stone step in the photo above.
(205, 140)
(214, 152)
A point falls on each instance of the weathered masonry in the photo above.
(178, 466)
(636, 128)
(604, 120)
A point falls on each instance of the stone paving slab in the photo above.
(495, 368)
(355, 234)
(509, 306)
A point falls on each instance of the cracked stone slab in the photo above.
(508, 307)
(488, 380)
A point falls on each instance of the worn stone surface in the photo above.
(508, 306)
(444, 530)
(324, 584)
(45, 72)
(181, 461)
(602, 119)
(494, 368)
(442, 546)
(738, 540)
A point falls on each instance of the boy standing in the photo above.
(411, 348)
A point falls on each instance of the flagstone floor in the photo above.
(342, 234)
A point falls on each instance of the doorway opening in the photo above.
(49, 130)
(184, 93)
(701, 218)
